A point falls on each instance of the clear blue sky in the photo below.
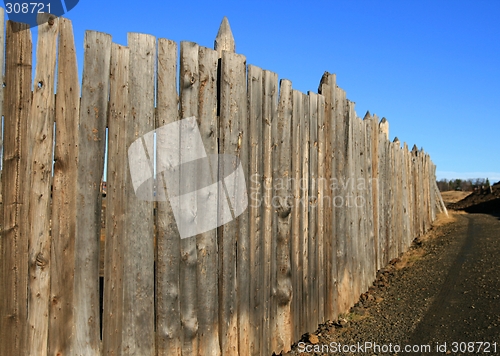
(432, 68)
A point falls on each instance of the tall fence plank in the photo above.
(296, 257)
(283, 326)
(370, 186)
(115, 201)
(168, 321)
(340, 174)
(207, 273)
(41, 128)
(92, 125)
(2, 62)
(258, 256)
(327, 132)
(312, 202)
(15, 186)
(189, 91)
(138, 276)
(322, 186)
(64, 208)
(304, 211)
(243, 242)
(233, 111)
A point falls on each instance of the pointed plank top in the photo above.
(224, 40)
(384, 127)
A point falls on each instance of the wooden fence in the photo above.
(331, 201)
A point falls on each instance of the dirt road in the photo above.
(441, 298)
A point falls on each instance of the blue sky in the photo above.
(432, 68)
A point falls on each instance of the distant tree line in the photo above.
(463, 184)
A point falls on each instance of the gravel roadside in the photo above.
(392, 310)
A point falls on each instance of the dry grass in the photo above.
(454, 196)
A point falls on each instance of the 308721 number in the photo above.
(27, 8)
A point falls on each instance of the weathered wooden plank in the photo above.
(115, 201)
(322, 187)
(14, 253)
(428, 199)
(64, 208)
(404, 198)
(189, 91)
(384, 204)
(282, 126)
(370, 185)
(411, 185)
(341, 174)
(41, 128)
(2, 62)
(259, 259)
(138, 252)
(357, 236)
(327, 140)
(168, 319)
(233, 112)
(375, 188)
(273, 313)
(92, 125)
(269, 229)
(351, 209)
(414, 153)
(296, 258)
(397, 198)
(207, 277)
(359, 204)
(243, 241)
(304, 211)
(421, 177)
(312, 243)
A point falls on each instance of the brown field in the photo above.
(453, 196)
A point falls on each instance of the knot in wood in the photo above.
(283, 210)
(41, 261)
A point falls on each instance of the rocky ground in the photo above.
(446, 288)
